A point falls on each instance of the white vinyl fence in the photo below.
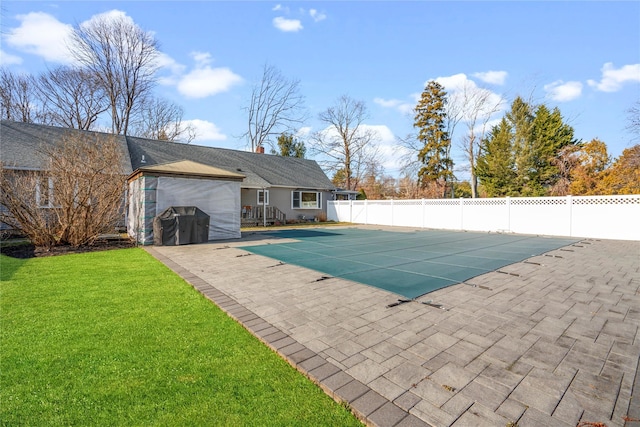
(603, 217)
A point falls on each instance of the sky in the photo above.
(582, 57)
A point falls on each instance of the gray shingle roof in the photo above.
(261, 170)
(19, 143)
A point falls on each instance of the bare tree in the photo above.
(477, 106)
(74, 97)
(74, 199)
(377, 185)
(18, 98)
(162, 119)
(633, 120)
(123, 58)
(346, 143)
(276, 107)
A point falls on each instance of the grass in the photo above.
(116, 338)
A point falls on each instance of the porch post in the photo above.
(264, 206)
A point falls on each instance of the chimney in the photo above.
(260, 149)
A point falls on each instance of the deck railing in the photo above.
(259, 215)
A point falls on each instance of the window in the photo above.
(306, 200)
(44, 192)
(263, 197)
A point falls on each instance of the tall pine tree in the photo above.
(520, 118)
(523, 148)
(549, 135)
(496, 163)
(430, 120)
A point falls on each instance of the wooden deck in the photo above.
(255, 216)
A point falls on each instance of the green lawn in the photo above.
(116, 338)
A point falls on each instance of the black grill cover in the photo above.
(180, 225)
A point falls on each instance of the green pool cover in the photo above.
(406, 263)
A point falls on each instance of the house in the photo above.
(258, 188)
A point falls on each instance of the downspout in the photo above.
(264, 207)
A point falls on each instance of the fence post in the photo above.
(392, 207)
(508, 214)
(423, 214)
(350, 210)
(461, 213)
(366, 212)
(570, 208)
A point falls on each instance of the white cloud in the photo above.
(390, 152)
(206, 81)
(612, 79)
(110, 15)
(43, 35)
(287, 25)
(385, 136)
(165, 62)
(455, 83)
(9, 59)
(303, 132)
(492, 77)
(387, 103)
(202, 58)
(562, 92)
(205, 131)
(317, 16)
(280, 7)
(402, 106)
(470, 100)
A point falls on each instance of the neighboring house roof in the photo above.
(188, 168)
(20, 142)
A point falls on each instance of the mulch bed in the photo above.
(30, 251)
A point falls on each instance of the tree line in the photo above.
(532, 151)
(114, 73)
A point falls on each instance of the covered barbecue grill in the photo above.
(180, 225)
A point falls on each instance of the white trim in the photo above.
(318, 204)
(258, 193)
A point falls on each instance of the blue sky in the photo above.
(583, 57)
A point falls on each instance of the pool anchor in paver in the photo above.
(428, 302)
(276, 265)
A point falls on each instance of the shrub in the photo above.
(75, 198)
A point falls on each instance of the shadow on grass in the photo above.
(9, 266)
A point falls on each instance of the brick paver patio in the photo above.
(552, 341)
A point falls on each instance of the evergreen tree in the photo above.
(340, 178)
(496, 163)
(430, 118)
(519, 157)
(549, 135)
(521, 118)
(289, 146)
